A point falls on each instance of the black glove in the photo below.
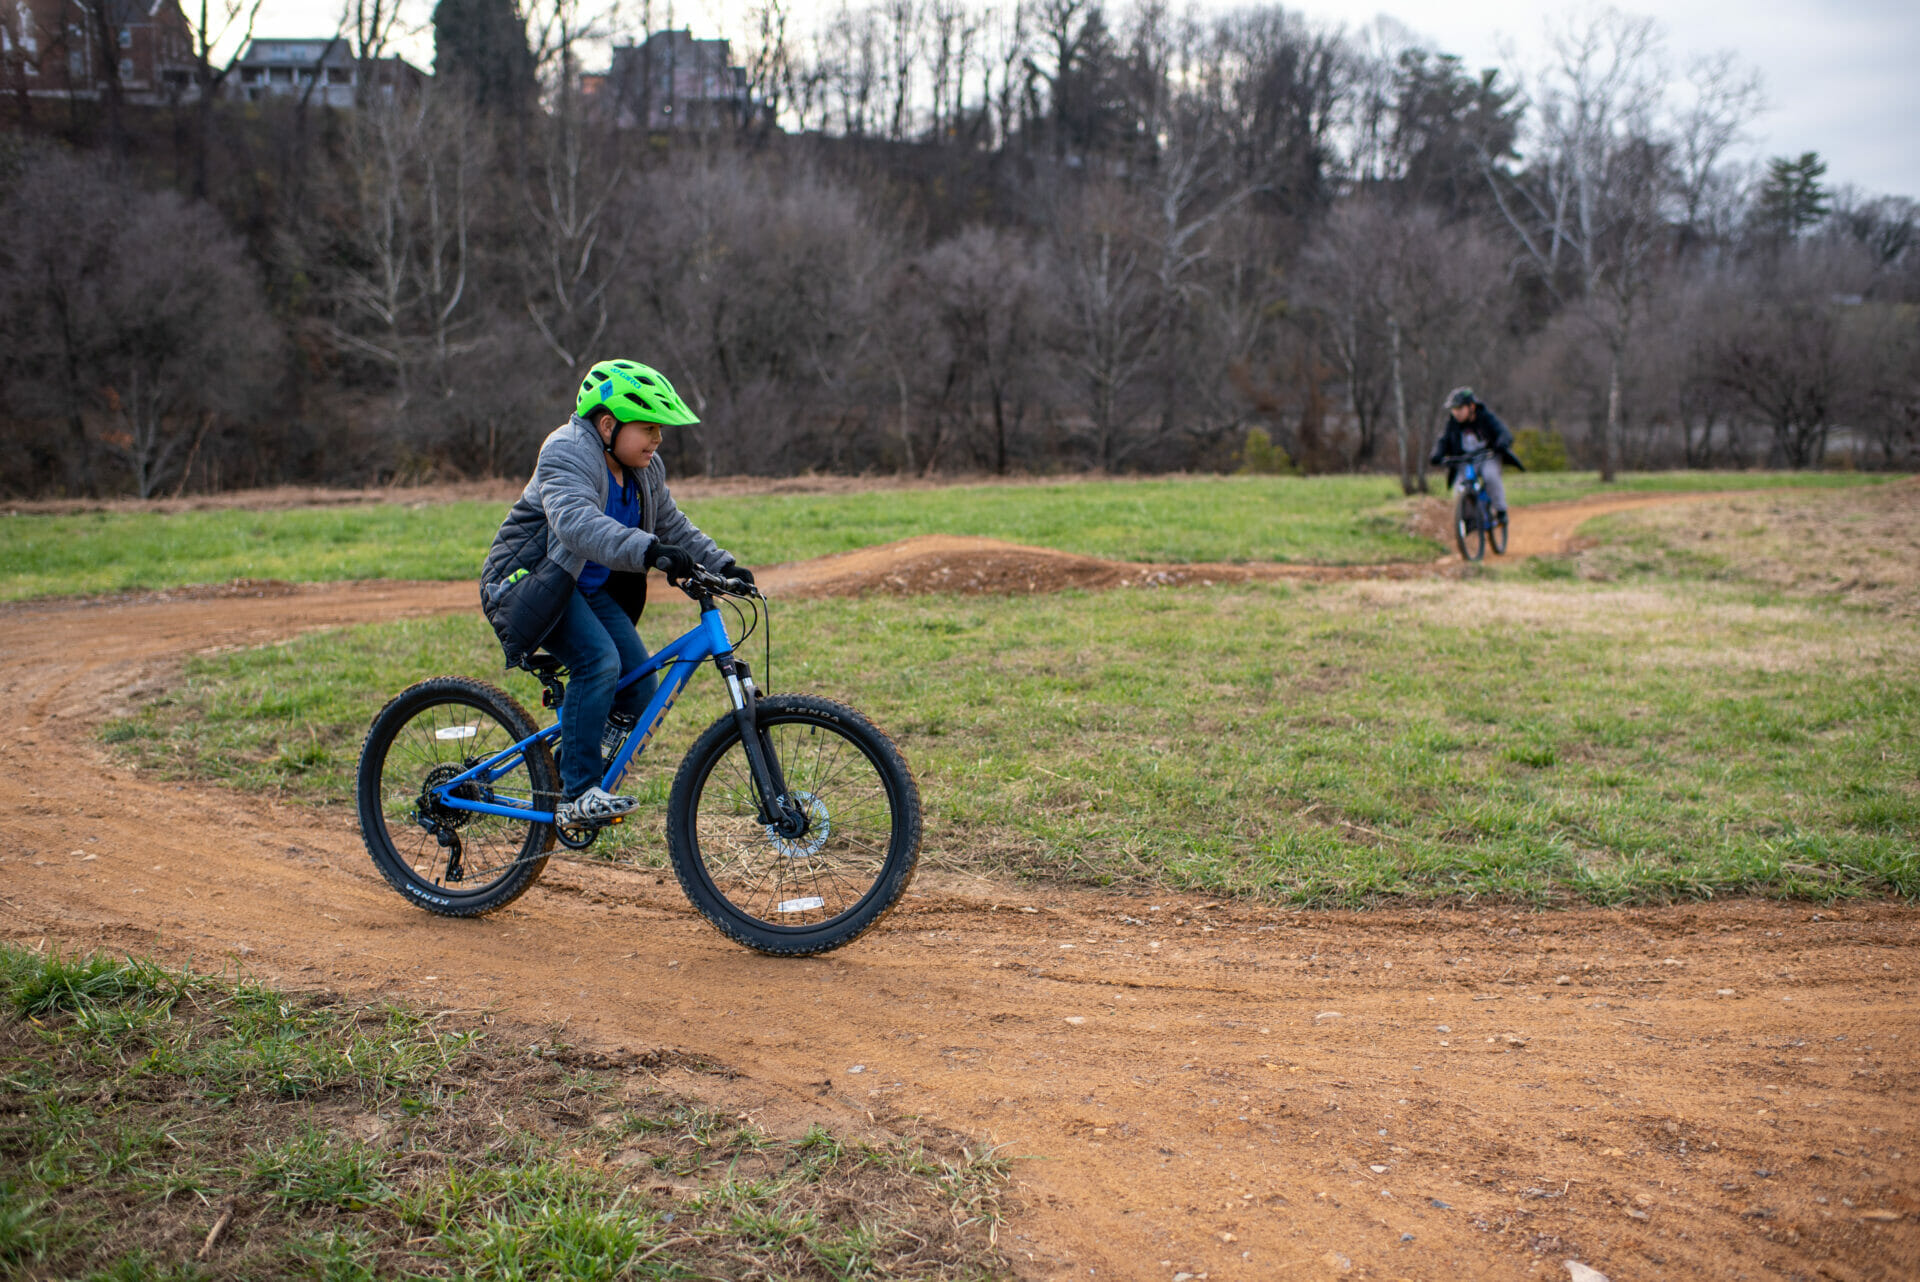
(734, 570)
(670, 559)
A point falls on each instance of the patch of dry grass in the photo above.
(1860, 547)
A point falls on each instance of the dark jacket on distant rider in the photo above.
(1487, 426)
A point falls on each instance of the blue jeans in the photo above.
(595, 641)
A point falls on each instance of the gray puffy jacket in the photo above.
(559, 523)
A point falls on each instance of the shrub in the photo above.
(1261, 457)
(1540, 451)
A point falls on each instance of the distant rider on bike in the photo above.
(1472, 426)
(568, 569)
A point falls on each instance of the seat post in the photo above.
(548, 671)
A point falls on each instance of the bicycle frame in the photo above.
(1469, 482)
(1469, 478)
(708, 640)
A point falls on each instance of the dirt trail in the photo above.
(1719, 1090)
(953, 563)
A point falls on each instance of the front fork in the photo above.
(779, 815)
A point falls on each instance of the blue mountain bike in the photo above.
(1474, 523)
(793, 824)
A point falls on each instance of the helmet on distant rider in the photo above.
(632, 393)
(1459, 396)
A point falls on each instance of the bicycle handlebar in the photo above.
(1468, 457)
(704, 582)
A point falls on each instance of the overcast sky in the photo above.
(1843, 76)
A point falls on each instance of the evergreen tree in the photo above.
(1447, 124)
(1792, 198)
(482, 44)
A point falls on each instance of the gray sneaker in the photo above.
(594, 806)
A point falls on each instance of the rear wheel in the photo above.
(458, 863)
(844, 860)
(1467, 530)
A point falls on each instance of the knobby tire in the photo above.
(829, 886)
(1467, 529)
(440, 727)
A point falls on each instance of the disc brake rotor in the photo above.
(819, 828)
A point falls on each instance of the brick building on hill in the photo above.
(78, 49)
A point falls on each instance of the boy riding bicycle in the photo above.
(1471, 427)
(567, 571)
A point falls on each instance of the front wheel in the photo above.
(1497, 533)
(857, 839)
(1468, 531)
(458, 863)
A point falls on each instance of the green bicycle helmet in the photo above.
(633, 393)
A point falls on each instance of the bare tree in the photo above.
(1410, 303)
(1725, 100)
(1781, 345)
(214, 24)
(1348, 280)
(849, 52)
(375, 291)
(1012, 33)
(987, 294)
(1277, 85)
(130, 317)
(902, 19)
(1588, 214)
(452, 160)
(572, 248)
(54, 272)
(760, 296)
(1112, 316)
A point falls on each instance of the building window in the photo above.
(126, 37)
(283, 75)
(76, 63)
(339, 75)
(250, 75)
(126, 68)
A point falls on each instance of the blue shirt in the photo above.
(623, 505)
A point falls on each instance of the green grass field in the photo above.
(137, 1104)
(1328, 520)
(1524, 734)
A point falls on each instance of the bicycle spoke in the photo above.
(819, 875)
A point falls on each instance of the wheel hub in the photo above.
(446, 817)
(797, 840)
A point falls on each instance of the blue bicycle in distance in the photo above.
(1474, 524)
(793, 823)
